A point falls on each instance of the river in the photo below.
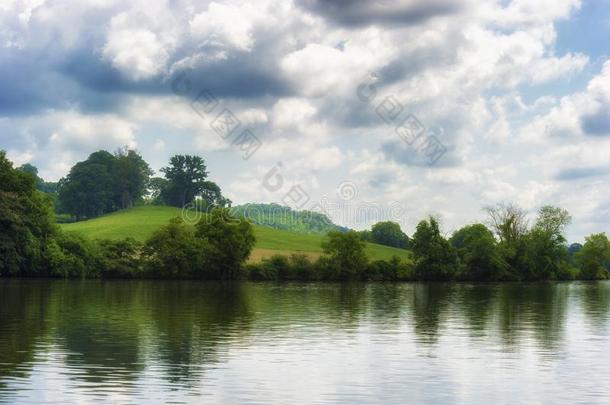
(190, 342)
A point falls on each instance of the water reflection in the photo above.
(23, 310)
(176, 341)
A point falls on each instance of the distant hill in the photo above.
(285, 218)
(140, 222)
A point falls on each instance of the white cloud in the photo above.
(290, 113)
(56, 140)
(136, 52)
(74, 130)
(462, 69)
(227, 23)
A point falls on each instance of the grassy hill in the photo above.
(140, 222)
(285, 218)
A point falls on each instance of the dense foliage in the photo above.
(480, 258)
(108, 182)
(219, 245)
(174, 252)
(435, 258)
(345, 255)
(389, 234)
(41, 185)
(281, 217)
(386, 233)
(26, 222)
(104, 183)
(594, 257)
(229, 242)
(185, 181)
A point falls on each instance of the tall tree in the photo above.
(345, 253)
(510, 224)
(229, 242)
(594, 257)
(131, 174)
(88, 191)
(186, 183)
(211, 194)
(45, 187)
(26, 221)
(479, 254)
(508, 221)
(544, 254)
(186, 177)
(104, 183)
(435, 258)
(156, 189)
(31, 170)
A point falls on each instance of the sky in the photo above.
(363, 110)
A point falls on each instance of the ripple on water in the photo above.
(174, 342)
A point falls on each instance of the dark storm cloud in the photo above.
(241, 77)
(81, 78)
(355, 13)
(32, 82)
(26, 85)
(597, 124)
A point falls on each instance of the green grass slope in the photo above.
(140, 222)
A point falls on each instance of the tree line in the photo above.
(107, 182)
(217, 247)
(31, 244)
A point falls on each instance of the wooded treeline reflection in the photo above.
(109, 332)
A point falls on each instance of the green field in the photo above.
(140, 222)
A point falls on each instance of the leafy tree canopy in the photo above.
(41, 185)
(479, 255)
(389, 234)
(435, 258)
(26, 221)
(594, 257)
(346, 254)
(104, 183)
(185, 181)
(229, 242)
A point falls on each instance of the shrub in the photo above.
(388, 270)
(345, 256)
(406, 272)
(229, 242)
(121, 259)
(302, 268)
(278, 267)
(261, 271)
(567, 272)
(174, 252)
(70, 255)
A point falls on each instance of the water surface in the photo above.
(186, 342)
